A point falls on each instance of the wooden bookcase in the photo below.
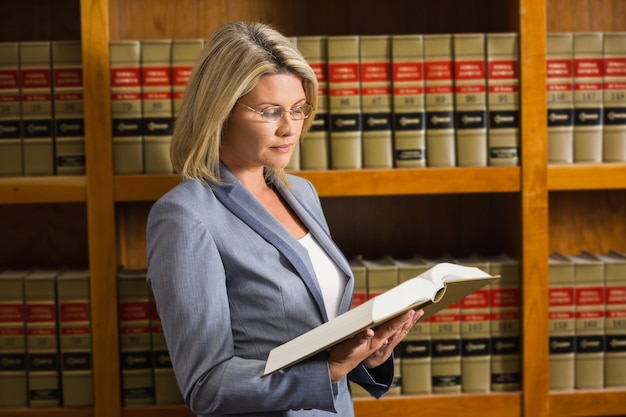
(98, 220)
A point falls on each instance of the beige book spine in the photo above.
(125, 63)
(409, 137)
(376, 101)
(36, 96)
(470, 99)
(10, 114)
(185, 52)
(157, 113)
(294, 162)
(588, 97)
(13, 377)
(359, 296)
(561, 322)
(68, 106)
(439, 101)
(75, 338)
(614, 104)
(560, 97)
(503, 131)
(344, 108)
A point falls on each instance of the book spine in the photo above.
(561, 319)
(375, 63)
(315, 147)
(445, 332)
(439, 101)
(560, 97)
(36, 97)
(156, 95)
(125, 62)
(588, 97)
(68, 108)
(476, 342)
(470, 85)
(13, 377)
(614, 125)
(42, 339)
(344, 85)
(184, 55)
(359, 296)
(294, 160)
(503, 132)
(615, 324)
(135, 339)
(10, 111)
(409, 138)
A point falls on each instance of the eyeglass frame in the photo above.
(290, 111)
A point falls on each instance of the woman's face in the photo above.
(250, 143)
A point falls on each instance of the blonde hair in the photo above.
(229, 66)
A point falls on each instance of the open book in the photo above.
(437, 288)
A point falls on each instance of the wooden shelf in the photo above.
(583, 403)
(43, 190)
(586, 177)
(344, 183)
(48, 412)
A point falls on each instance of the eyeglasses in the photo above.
(275, 113)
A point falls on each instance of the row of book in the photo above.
(586, 97)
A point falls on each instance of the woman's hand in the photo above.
(372, 347)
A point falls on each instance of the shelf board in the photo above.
(366, 182)
(581, 403)
(48, 412)
(43, 190)
(586, 176)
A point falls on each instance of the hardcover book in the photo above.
(36, 97)
(294, 161)
(10, 111)
(614, 125)
(185, 52)
(432, 291)
(439, 99)
(560, 97)
(75, 337)
(13, 377)
(126, 102)
(68, 109)
(588, 78)
(375, 59)
(157, 113)
(409, 137)
(359, 296)
(344, 106)
(43, 365)
(470, 98)
(314, 147)
(503, 131)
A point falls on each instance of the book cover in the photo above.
(375, 62)
(615, 318)
(589, 321)
(503, 107)
(414, 350)
(506, 359)
(68, 108)
(561, 321)
(359, 296)
(588, 119)
(614, 125)
(439, 101)
(560, 97)
(470, 99)
(42, 351)
(10, 111)
(476, 333)
(436, 289)
(36, 98)
(75, 337)
(135, 338)
(13, 383)
(344, 102)
(126, 106)
(314, 147)
(157, 113)
(409, 136)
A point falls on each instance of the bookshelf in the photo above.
(98, 220)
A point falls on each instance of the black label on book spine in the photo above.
(12, 362)
(161, 359)
(446, 347)
(471, 119)
(475, 347)
(10, 129)
(410, 155)
(588, 117)
(157, 126)
(376, 121)
(320, 123)
(76, 361)
(408, 121)
(562, 345)
(505, 346)
(126, 127)
(440, 120)
(616, 343)
(345, 122)
(504, 119)
(506, 378)
(590, 344)
(560, 117)
(34, 129)
(415, 349)
(70, 128)
(43, 362)
(136, 360)
(446, 380)
(503, 152)
(615, 116)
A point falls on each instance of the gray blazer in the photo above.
(231, 283)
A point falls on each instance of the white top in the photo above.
(332, 281)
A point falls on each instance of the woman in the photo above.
(240, 257)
